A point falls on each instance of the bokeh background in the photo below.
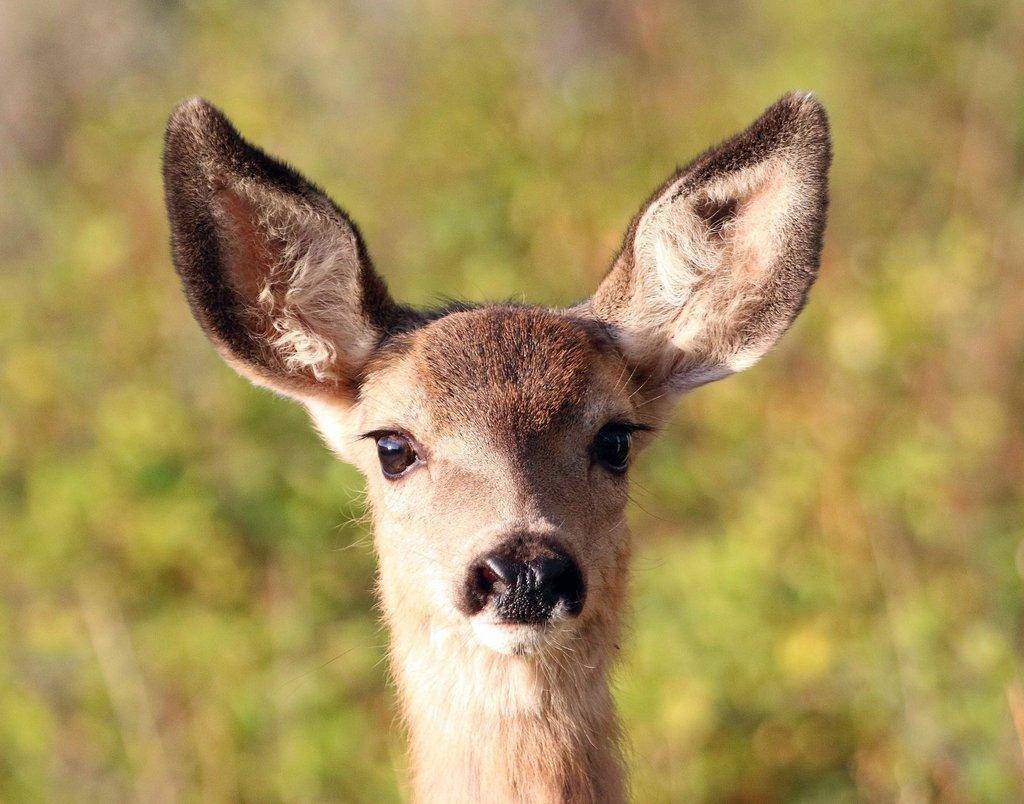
(828, 600)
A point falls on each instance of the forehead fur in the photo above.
(522, 370)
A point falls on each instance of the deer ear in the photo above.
(275, 273)
(718, 264)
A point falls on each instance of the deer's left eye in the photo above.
(610, 447)
(396, 454)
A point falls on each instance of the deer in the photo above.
(496, 439)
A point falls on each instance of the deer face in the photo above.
(497, 441)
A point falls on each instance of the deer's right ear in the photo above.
(276, 274)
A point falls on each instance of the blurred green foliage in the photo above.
(828, 588)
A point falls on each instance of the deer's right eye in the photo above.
(396, 454)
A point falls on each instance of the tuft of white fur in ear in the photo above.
(718, 264)
(310, 318)
(305, 300)
(684, 250)
(698, 279)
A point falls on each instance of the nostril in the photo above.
(488, 576)
(501, 569)
(492, 576)
(559, 579)
(547, 573)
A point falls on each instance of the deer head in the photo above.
(497, 440)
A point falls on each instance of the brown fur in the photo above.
(502, 405)
(522, 369)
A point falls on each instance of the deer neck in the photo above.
(489, 727)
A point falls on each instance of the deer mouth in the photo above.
(517, 638)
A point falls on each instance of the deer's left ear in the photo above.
(718, 264)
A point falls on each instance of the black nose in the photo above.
(526, 580)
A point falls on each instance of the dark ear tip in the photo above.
(802, 114)
(194, 114)
(198, 125)
(804, 105)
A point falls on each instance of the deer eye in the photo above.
(610, 447)
(396, 454)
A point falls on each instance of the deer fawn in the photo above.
(496, 440)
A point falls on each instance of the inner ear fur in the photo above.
(276, 274)
(718, 264)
